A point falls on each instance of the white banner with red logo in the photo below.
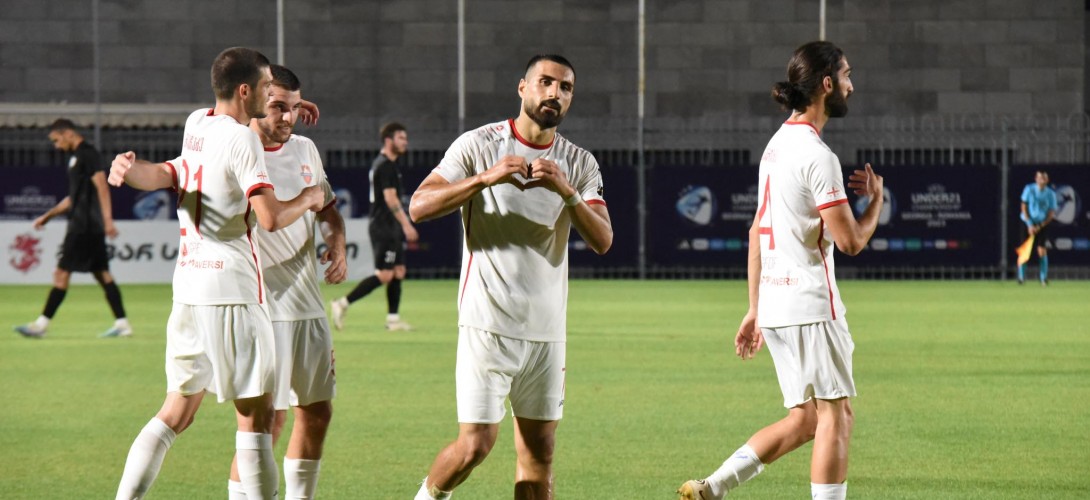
(143, 252)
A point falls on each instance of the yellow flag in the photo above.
(1025, 250)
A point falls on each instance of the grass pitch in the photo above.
(966, 390)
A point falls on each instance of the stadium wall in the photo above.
(373, 59)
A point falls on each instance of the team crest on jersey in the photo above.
(25, 252)
(307, 174)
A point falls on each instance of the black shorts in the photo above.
(1042, 235)
(84, 253)
(389, 252)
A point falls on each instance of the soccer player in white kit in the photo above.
(794, 303)
(219, 336)
(520, 186)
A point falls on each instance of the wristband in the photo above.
(573, 200)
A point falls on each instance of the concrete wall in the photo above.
(706, 58)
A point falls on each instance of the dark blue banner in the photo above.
(700, 216)
(621, 199)
(37, 189)
(934, 216)
(1069, 233)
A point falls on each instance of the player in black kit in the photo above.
(389, 229)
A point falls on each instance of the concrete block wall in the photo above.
(706, 58)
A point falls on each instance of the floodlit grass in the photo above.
(966, 390)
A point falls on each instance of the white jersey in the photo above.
(220, 166)
(514, 279)
(289, 254)
(799, 177)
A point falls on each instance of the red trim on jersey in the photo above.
(511, 123)
(211, 111)
(841, 201)
(250, 192)
(829, 283)
(182, 231)
(596, 202)
(330, 204)
(173, 177)
(469, 219)
(253, 252)
(275, 149)
(811, 125)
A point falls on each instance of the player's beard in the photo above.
(276, 132)
(836, 104)
(256, 105)
(543, 119)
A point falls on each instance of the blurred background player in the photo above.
(1039, 205)
(90, 221)
(219, 335)
(389, 228)
(520, 186)
(794, 302)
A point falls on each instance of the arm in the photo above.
(61, 207)
(1026, 220)
(273, 214)
(849, 234)
(592, 222)
(389, 195)
(331, 224)
(99, 180)
(437, 197)
(748, 341)
(140, 174)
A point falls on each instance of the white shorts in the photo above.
(492, 368)
(227, 350)
(812, 361)
(304, 356)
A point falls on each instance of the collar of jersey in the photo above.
(811, 125)
(511, 123)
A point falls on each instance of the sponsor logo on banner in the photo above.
(1064, 244)
(1069, 204)
(25, 253)
(28, 202)
(889, 206)
(742, 205)
(154, 205)
(1082, 244)
(936, 206)
(696, 204)
(879, 244)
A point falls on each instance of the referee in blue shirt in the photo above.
(1038, 210)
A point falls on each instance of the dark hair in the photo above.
(62, 124)
(387, 131)
(561, 60)
(283, 77)
(808, 67)
(236, 66)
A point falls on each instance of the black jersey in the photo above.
(85, 215)
(384, 175)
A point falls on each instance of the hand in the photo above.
(111, 230)
(308, 113)
(552, 176)
(503, 170)
(1033, 229)
(120, 166)
(748, 341)
(338, 266)
(410, 233)
(866, 183)
(39, 223)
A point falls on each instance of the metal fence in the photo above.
(713, 142)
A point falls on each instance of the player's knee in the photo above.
(541, 455)
(804, 424)
(385, 275)
(316, 417)
(399, 272)
(474, 451)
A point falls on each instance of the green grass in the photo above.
(966, 390)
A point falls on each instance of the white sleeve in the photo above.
(459, 161)
(826, 182)
(175, 166)
(319, 173)
(248, 162)
(589, 183)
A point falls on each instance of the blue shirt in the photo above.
(1039, 202)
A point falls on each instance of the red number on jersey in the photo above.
(766, 206)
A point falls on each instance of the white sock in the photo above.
(829, 491)
(343, 301)
(392, 317)
(742, 466)
(121, 322)
(431, 494)
(42, 322)
(235, 491)
(145, 459)
(301, 478)
(257, 465)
